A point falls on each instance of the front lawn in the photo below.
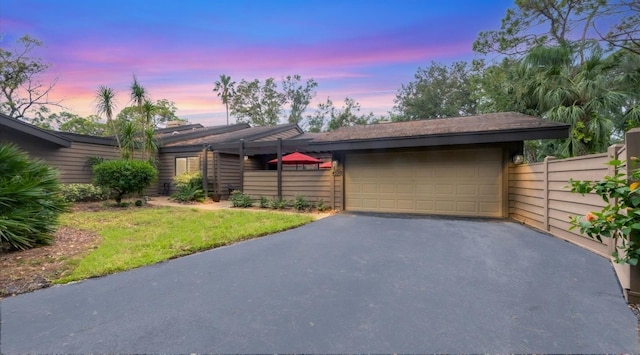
(135, 237)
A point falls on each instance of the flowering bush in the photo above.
(620, 219)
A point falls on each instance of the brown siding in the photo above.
(167, 169)
(71, 161)
(228, 168)
(315, 185)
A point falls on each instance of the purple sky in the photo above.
(178, 49)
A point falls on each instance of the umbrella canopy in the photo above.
(297, 158)
(325, 165)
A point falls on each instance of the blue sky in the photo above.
(177, 49)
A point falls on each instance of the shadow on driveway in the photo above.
(343, 284)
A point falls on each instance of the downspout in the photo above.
(205, 171)
(241, 165)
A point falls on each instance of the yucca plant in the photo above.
(30, 200)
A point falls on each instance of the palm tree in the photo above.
(581, 95)
(147, 116)
(225, 89)
(139, 98)
(129, 140)
(105, 104)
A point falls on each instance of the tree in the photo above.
(73, 123)
(298, 96)
(328, 117)
(534, 23)
(437, 92)
(626, 33)
(30, 200)
(105, 104)
(20, 88)
(257, 103)
(164, 112)
(225, 89)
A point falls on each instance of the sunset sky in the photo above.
(177, 49)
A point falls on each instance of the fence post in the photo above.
(632, 141)
(545, 192)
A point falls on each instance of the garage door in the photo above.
(451, 182)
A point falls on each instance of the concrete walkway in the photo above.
(343, 284)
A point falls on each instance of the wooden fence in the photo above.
(314, 185)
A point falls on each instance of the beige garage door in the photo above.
(451, 182)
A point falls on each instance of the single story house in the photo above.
(451, 166)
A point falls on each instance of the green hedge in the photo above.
(84, 193)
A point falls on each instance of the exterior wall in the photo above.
(315, 185)
(167, 169)
(69, 161)
(227, 169)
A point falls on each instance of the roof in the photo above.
(167, 138)
(487, 128)
(34, 131)
(230, 138)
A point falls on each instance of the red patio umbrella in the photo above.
(325, 165)
(296, 158)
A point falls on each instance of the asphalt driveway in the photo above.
(344, 284)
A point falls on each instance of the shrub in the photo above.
(278, 203)
(84, 193)
(620, 218)
(321, 206)
(188, 187)
(124, 176)
(300, 203)
(238, 199)
(30, 200)
(264, 202)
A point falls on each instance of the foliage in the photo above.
(544, 22)
(620, 218)
(278, 203)
(30, 201)
(257, 103)
(20, 88)
(92, 161)
(437, 91)
(263, 103)
(105, 104)
(124, 176)
(73, 123)
(328, 117)
(166, 233)
(84, 193)
(321, 206)
(298, 96)
(188, 187)
(238, 199)
(264, 202)
(300, 203)
(225, 89)
(625, 34)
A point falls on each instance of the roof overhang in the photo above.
(34, 131)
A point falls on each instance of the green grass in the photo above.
(134, 238)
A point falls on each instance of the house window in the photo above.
(187, 165)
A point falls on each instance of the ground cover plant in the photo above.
(150, 235)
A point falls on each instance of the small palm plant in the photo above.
(30, 200)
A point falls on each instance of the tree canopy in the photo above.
(21, 90)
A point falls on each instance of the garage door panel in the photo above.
(453, 182)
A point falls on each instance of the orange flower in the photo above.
(634, 185)
(590, 217)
